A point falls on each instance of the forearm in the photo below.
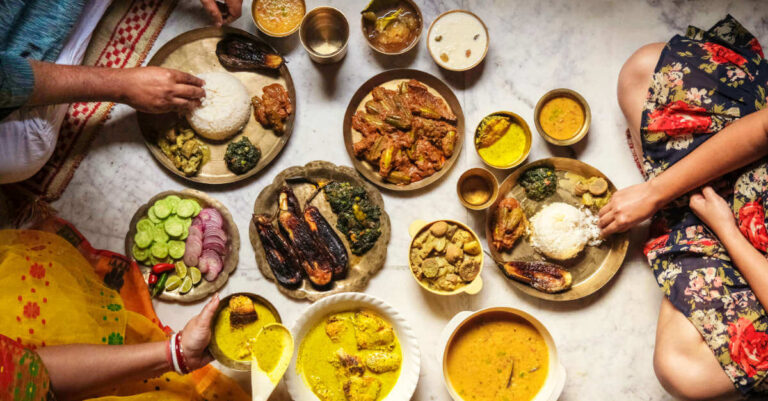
(80, 368)
(57, 84)
(750, 262)
(739, 144)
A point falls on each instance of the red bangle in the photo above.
(180, 355)
(168, 356)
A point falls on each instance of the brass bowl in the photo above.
(367, 27)
(323, 26)
(214, 347)
(488, 179)
(268, 32)
(471, 288)
(573, 95)
(528, 138)
(436, 57)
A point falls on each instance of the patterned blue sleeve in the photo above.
(16, 81)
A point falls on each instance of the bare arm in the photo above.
(82, 368)
(739, 144)
(150, 89)
(717, 215)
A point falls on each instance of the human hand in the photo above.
(714, 211)
(628, 207)
(159, 90)
(234, 9)
(196, 336)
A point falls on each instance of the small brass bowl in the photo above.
(270, 33)
(367, 27)
(477, 177)
(213, 345)
(526, 131)
(325, 27)
(573, 95)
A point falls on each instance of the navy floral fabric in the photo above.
(704, 81)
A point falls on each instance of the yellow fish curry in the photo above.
(500, 141)
(352, 355)
(561, 118)
(497, 356)
(236, 329)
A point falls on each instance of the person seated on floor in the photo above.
(42, 43)
(702, 122)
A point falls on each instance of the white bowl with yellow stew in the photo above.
(500, 353)
(353, 346)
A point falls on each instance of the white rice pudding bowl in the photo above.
(560, 231)
(224, 110)
(457, 40)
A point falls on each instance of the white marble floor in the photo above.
(606, 340)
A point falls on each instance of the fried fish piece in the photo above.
(242, 311)
(380, 362)
(348, 365)
(371, 331)
(509, 224)
(543, 276)
(335, 327)
(273, 107)
(362, 388)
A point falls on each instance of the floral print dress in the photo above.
(704, 81)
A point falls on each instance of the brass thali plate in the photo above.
(361, 268)
(205, 288)
(390, 79)
(594, 267)
(195, 52)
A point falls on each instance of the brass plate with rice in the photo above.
(361, 268)
(194, 52)
(389, 80)
(594, 266)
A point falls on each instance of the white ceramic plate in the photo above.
(409, 371)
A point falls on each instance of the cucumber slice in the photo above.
(159, 250)
(198, 208)
(162, 209)
(176, 249)
(186, 207)
(152, 216)
(140, 254)
(152, 260)
(159, 234)
(187, 222)
(144, 225)
(143, 239)
(172, 201)
(174, 227)
(184, 234)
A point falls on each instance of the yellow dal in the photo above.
(317, 351)
(561, 117)
(279, 16)
(508, 149)
(233, 343)
(269, 349)
(482, 354)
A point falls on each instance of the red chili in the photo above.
(152, 279)
(163, 267)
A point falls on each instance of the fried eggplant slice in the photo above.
(543, 276)
(328, 238)
(282, 258)
(314, 259)
(242, 53)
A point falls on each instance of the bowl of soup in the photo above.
(503, 140)
(500, 353)
(562, 117)
(353, 346)
(238, 320)
(278, 18)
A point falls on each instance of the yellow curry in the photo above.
(561, 117)
(497, 356)
(353, 355)
(235, 342)
(500, 141)
(279, 16)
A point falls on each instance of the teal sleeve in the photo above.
(16, 81)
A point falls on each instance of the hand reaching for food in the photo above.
(160, 90)
(222, 12)
(714, 211)
(196, 336)
(629, 207)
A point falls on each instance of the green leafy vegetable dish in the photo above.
(160, 235)
(539, 182)
(357, 216)
(242, 156)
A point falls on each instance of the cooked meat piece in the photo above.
(362, 388)
(348, 365)
(389, 106)
(380, 362)
(543, 276)
(273, 107)
(509, 224)
(371, 331)
(369, 124)
(423, 103)
(335, 328)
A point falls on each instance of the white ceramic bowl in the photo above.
(555, 382)
(409, 371)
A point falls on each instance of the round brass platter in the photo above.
(390, 79)
(195, 52)
(205, 287)
(361, 268)
(594, 267)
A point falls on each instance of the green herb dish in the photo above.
(539, 182)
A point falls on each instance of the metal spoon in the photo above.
(263, 382)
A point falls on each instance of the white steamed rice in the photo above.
(561, 231)
(225, 108)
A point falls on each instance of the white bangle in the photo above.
(172, 344)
